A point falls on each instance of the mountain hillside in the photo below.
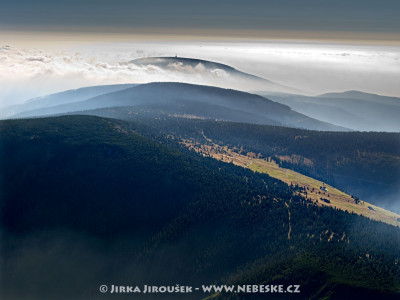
(353, 109)
(69, 96)
(200, 101)
(126, 209)
(198, 71)
(358, 95)
(363, 164)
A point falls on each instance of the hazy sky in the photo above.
(318, 46)
(371, 16)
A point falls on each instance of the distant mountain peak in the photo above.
(350, 93)
(167, 60)
(204, 72)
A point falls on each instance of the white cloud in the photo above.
(27, 73)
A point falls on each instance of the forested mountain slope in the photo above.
(121, 207)
(364, 164)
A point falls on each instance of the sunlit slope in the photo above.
(319, 192)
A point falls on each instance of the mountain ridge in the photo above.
(355, 94)
(230, 77)
(194, 98)
(353, 109)
(120, 206)
(59, 98)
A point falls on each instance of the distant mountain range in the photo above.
(181, 98)
(352, 109)
(198, 71)
(69, 96)
(358, 95)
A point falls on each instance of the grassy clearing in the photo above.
(313, 191)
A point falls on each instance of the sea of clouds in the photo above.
(313, 67)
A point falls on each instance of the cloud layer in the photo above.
(317, 68)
